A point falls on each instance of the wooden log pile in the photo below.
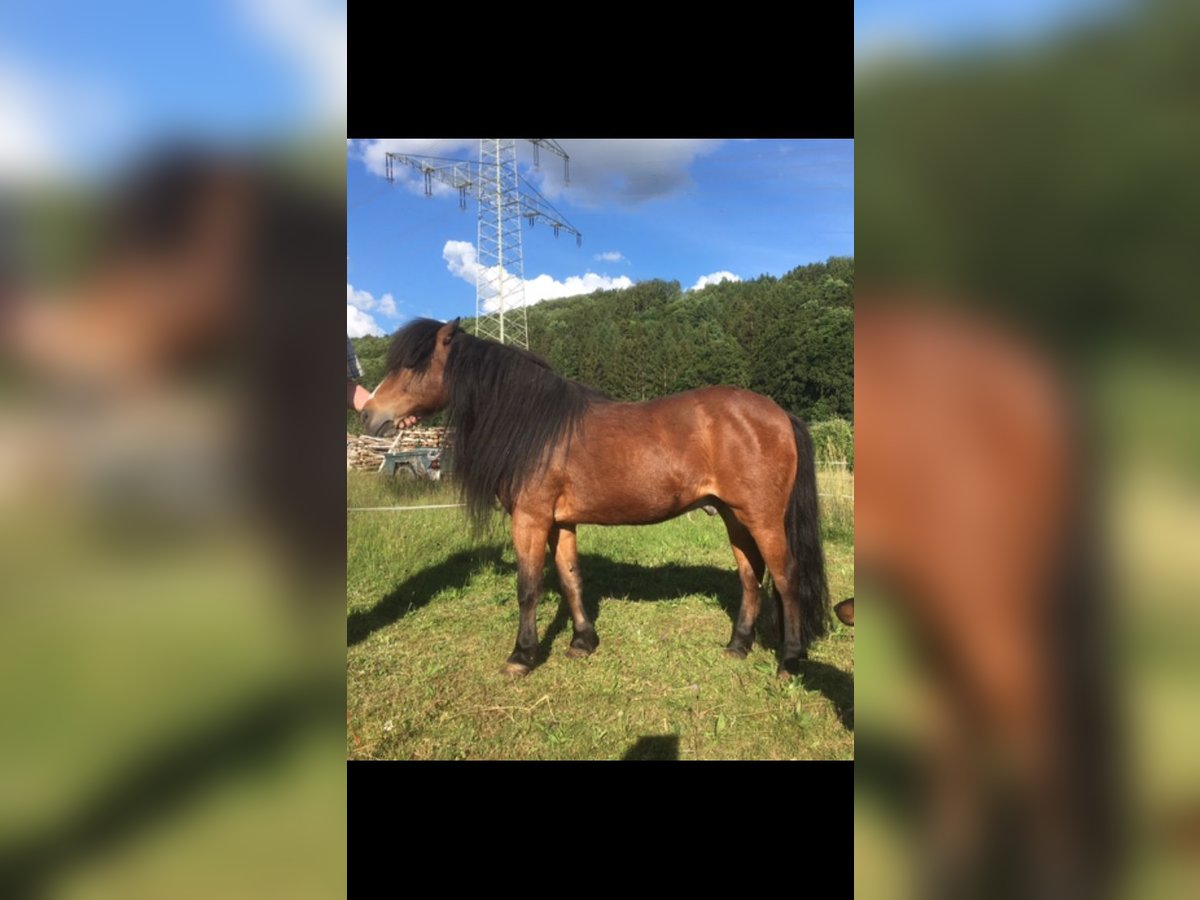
(366, 452)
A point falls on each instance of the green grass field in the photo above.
(433, 615)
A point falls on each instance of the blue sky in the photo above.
(85, 85)
(677, 210)
(883, 26)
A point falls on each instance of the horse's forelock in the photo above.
(413, 346)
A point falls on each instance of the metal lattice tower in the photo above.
(504, 199)
(500, 276)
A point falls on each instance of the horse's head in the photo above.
(414, 385)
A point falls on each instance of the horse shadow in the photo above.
(655, 746)
(603, 577)
(165, 780)
(834, 685)
(455, 571)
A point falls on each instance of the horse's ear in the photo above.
(452, 332)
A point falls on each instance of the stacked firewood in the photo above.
(366, 452)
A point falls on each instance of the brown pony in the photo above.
(975, 508)
(558, 454)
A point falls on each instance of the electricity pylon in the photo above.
(504, 199)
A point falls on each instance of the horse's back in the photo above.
(649, 461)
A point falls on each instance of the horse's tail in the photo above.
(1080, 632)
(803, 527)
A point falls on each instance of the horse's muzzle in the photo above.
(377, 425)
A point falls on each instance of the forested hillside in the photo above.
(791, 338)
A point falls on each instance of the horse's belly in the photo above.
(627, 502)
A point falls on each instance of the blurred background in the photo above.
(1028, 173)
(172, 233)
(171, 206)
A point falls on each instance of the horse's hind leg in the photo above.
(772, 543)
(750, 571)
(566, 560)
(529, 541)
(1000, 666)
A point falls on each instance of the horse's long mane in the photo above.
(509, 411)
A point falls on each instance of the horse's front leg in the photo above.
(566, 560)
(529, 539)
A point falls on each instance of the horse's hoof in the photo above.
(514, 669)
(583, 643)
(788, 669)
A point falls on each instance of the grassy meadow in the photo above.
(433, 615)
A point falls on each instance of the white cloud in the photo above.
(43, 115)
(461, 261)
(27, 146)
(625, 172)
(365, 301)
(611, 256)
(313, 34)
(359, 323)
(714, 278)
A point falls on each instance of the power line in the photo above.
(495, 184)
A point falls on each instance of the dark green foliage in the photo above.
(1056, 184)
(372, 356)
(790, 338)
